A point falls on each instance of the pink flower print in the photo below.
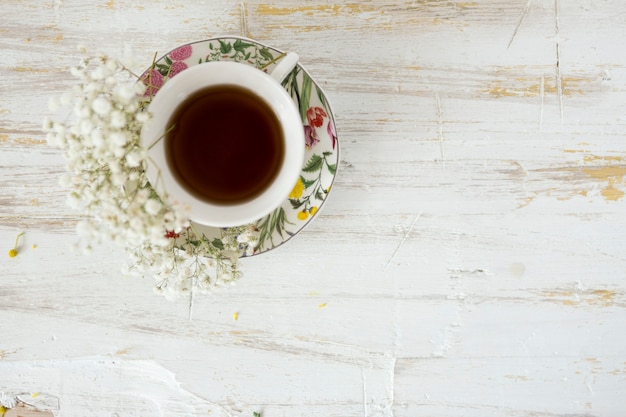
(180, 54)
(153, 81)
(310, 137)
(332, 133)
(177, 67)
(315, 116)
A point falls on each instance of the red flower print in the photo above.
(181, 53)
(315, 116)
(310, 137)
(332, 133)
(153, 81)
(177, 67)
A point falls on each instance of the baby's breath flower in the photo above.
(101, 105)
(134, 158)
(118, 138)
(152, 207)
(106, 179)
(118, 119)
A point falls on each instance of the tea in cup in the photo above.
(227, 140)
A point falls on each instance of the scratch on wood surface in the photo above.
(392, 387)
(559, 81)
(542, 93)
(440, 130)
(243, 23)
(519, 24)
(364, 382)
(404, 238)
(191, 300)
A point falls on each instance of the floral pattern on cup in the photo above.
(321, 155)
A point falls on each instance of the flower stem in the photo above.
(13, 252)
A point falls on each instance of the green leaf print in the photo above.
(241, 46)
(225, 47)
(305, 95)
(265, 53)
(314, 164)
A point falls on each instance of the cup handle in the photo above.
(285, 66)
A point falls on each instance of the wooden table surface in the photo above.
(470, 260)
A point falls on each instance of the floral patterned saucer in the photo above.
(322, 147)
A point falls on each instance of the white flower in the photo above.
(125, 93)
(97, 140)
(118, 119)
(64, 180)
(142, 117)
(77, 72)
(105, 179)
(81, 111)
(152, 207)
(101, 105)
(118, 179)
(134, 158)
(100, 73)
(118, 139)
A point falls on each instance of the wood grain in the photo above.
(469, 262)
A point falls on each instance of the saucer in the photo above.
(322, 147)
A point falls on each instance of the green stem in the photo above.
(17, 239)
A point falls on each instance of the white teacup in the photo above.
(181, 166)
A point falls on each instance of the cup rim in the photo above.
(180, 87)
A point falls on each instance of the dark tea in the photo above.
(224, 144)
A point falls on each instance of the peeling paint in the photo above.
(4, 138)
(5, 353)
(30, 69)
(604, 297)
(607, 169)
(524, 87)
(613, 175)
(333, 10)
(598, 298)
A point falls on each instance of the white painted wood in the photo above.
(469, 262)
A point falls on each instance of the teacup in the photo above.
(226, 140)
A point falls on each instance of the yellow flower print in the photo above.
(298, 189)
(313, 210)
(303, 215)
